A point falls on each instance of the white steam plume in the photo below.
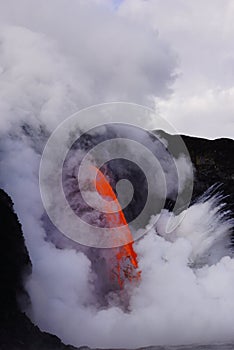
(48, 69)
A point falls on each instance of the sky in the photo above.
(201, 34)
(175, 56)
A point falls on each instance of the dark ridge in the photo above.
(16, 330)
(213, 164)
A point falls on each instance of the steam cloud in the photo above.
(54, 60)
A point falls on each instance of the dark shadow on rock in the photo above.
(16, 330)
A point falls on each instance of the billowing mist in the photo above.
(56, 59)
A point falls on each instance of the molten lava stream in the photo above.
(126, 258)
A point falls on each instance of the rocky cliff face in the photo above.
(213, 162)
(16, 330)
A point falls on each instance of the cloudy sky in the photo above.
(202, 35)
(175, 55)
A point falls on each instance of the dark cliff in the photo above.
(213, 162)
(16, 330)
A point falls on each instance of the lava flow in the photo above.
(126, 265)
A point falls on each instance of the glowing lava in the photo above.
(126, 258)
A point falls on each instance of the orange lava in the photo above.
(126, 258)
